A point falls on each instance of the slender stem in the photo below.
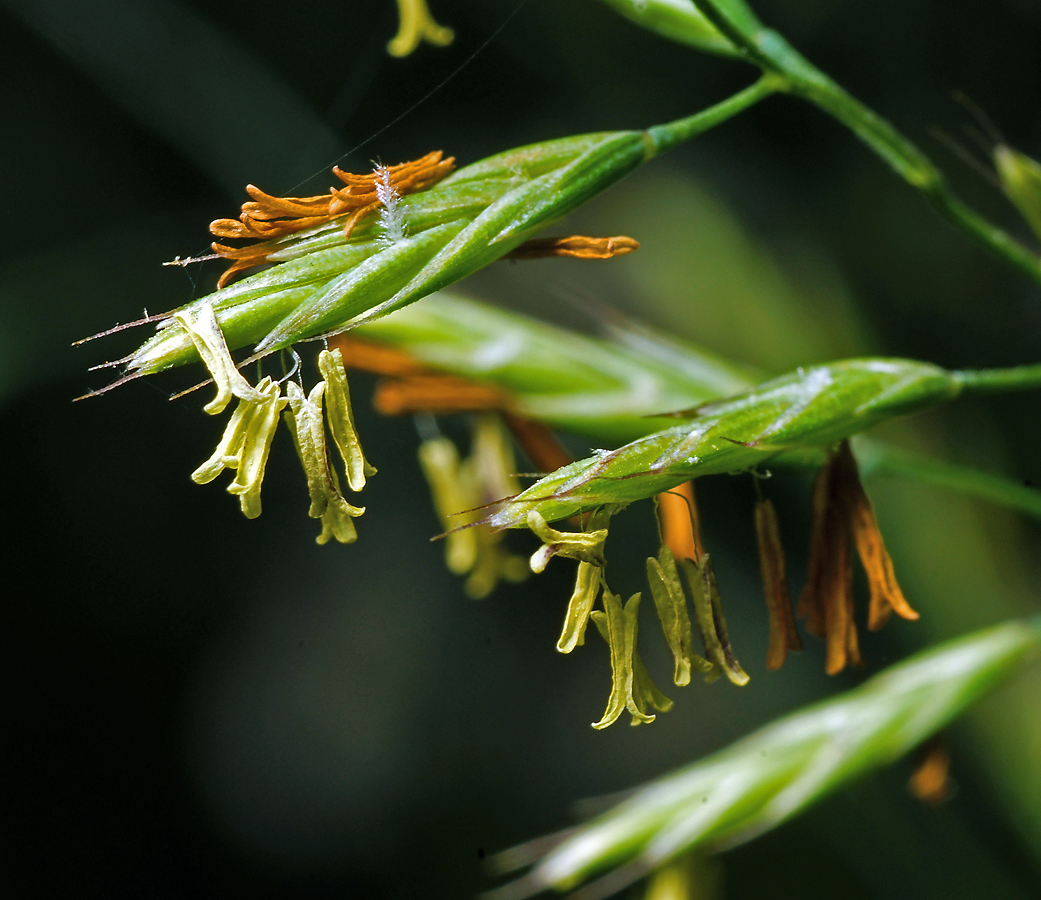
(876, 458)
(993, 381)
(665, 137)
(770, 51)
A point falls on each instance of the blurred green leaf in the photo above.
(774, 774)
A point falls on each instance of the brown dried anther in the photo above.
(538, 442)
(783, 634)
(576, 245)
(842, 517)
(376, 358)
(436, 394)
(266, 217)
(931, 780)
(360, 196)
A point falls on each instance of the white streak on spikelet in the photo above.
(391, 218)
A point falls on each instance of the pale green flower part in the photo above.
(1020, 178)
(417, 24)
(337, 523)
(708, 613)
(671, 604)
(439, 460)
(341, 419)
(490, 472)
(229, 451)
(494, 563)
(459, 489)
(200, 324)
(670, 883)
(306, 423)
(631, 685)
(688, 877)
(587, 587)
(587, 546)
(495, 464)
(256, 444)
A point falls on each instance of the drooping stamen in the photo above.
(580, 606)
(417, 25)
(842, 514)
(200, 324)
(461, 489)
(886, 596)
(341, 419)
(631, 684)
(305, 419)
(680, 526)
(439, 461)
(645, 693)
(256, 444)
(491, 467)
(670, 601)
(783, 634)
(586, 546)
(708, 616)
(840, 633)
(228, 454)
(827, 599)
(494, 564)
(493, 461)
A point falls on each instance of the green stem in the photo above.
(771, 52)
(665, 137)
(882, 459)
(993, 381)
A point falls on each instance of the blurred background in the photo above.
(205, 706)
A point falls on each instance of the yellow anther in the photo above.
(587, 587)
(452, 493)
(631, 685)
(708, 613)
(341, 419)
(256, 444)
(229, 450)
(586, 546)
(306, 423)
(201, 326)
(417, 24)
(671, 604)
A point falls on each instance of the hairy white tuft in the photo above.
(392, 219)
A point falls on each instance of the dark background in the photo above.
(204, 706)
